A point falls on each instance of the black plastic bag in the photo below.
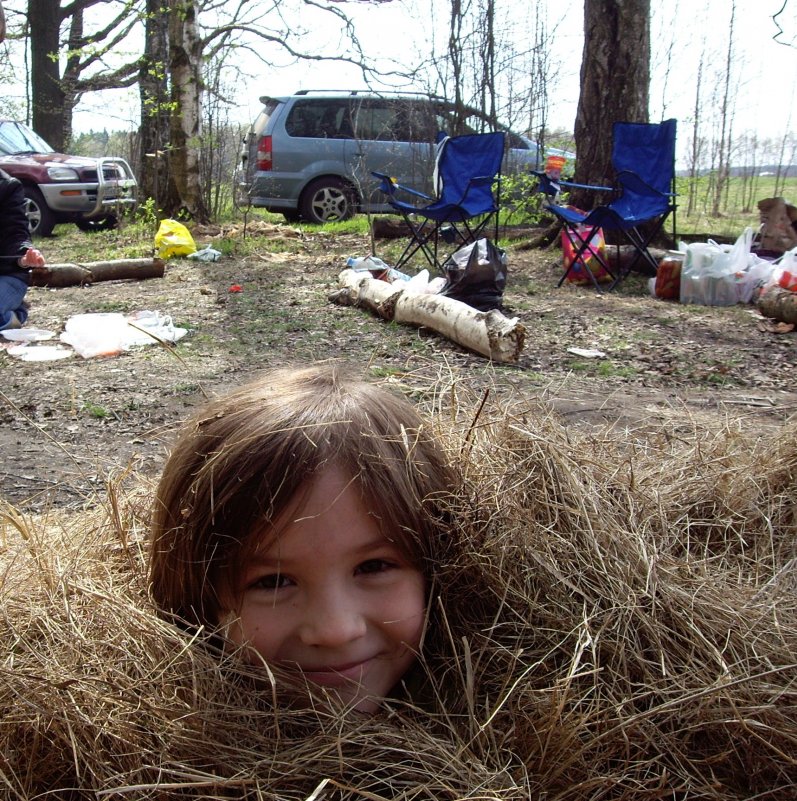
(476, 275)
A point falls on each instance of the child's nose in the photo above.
(330, 622)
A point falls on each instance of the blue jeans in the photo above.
(12, 293)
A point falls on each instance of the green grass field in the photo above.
(739, 203)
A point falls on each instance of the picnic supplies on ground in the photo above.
(590, 258)
(711, 273)
(173, 239)
(667, 283)
(108, 334)
(207, 253)
(476, 275)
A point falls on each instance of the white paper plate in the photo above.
(40, 353)
(587, 353)
(27, 334)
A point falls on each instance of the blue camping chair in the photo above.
(643, 157)
(467, 172)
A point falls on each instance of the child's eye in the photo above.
(273, 581)
(375, 566)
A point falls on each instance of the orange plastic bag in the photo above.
(588, 259)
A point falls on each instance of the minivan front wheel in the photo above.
(327, 200)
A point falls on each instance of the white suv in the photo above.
(310, 156)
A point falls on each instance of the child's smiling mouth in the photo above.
(336, 675)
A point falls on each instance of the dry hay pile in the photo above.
(616, 620)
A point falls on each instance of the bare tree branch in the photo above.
(780, 32)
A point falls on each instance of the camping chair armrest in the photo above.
(479, 180)
(389, 185)
(547, 186)
(593, 187)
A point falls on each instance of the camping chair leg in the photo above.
(640, 245)
(419, 242)
(580, 247)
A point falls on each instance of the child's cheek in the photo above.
(230, 625)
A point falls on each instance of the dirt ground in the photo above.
(68, 426)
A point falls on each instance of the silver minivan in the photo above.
(309, 156)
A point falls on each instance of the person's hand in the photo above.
(32, 258)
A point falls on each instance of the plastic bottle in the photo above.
(366, 263)
(376, 267)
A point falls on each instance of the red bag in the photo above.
(588, 259)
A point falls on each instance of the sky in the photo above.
(765, 99)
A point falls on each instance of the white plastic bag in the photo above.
(148, 327)
(755, 278)
(784, 273)
(93, 335)
(207, 253)
(712, 273)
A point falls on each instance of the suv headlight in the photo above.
(62, 174)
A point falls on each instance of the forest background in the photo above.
(94, 69)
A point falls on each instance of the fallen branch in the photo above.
(58, 275)
(488, 333)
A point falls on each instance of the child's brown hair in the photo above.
(240, 461)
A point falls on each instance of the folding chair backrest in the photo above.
(463, 158)
(647, 149)
(638, 201)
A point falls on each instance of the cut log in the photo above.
(778, 304)
(489, 334)
(58, 275)
(396, 228)
(389, 228)
(623, 259)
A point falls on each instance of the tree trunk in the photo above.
(615, 83)
(185, 57)
(155, 179)
(70, 78)
(47, 95)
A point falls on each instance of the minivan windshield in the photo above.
(16, 138)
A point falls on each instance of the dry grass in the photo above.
(614, 618)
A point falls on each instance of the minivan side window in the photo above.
(402, 120)
(380, 120)
(319, 119)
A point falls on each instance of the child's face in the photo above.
(332, 597)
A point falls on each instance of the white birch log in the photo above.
(490, 334)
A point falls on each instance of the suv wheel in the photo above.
(327, 200)
(40, 219)
(106, 223)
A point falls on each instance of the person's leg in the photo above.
(13, 310)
